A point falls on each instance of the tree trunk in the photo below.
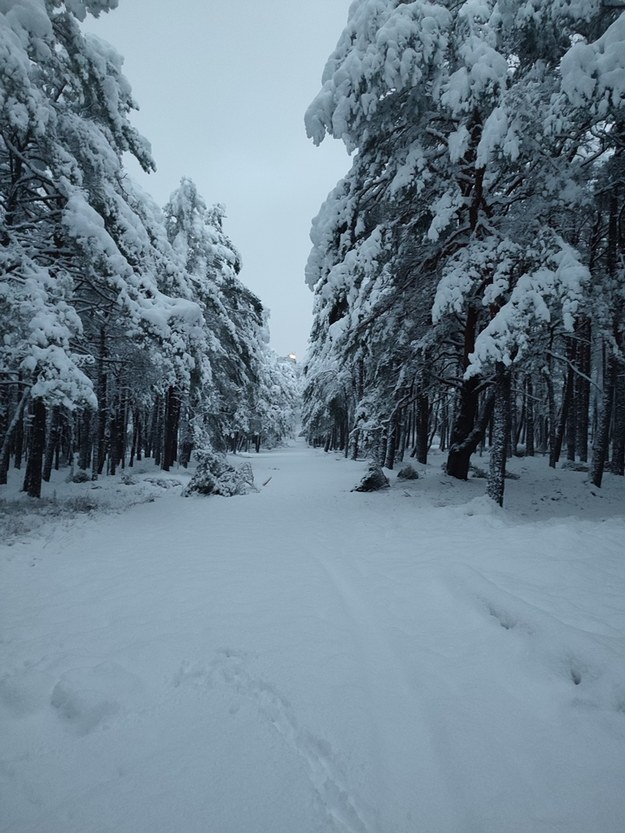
(471, 442)
(571, 415)
(552, 431)
(54, 431)
(18, 444)
(37, 441)
(529, 417)
(99, 424)
(582, 392)
(618, 432)
(501, 431)
(556, 448)
(5, 450)
(172, 419)
(84, 445)
(514, 421)
(602, 437)
(444, 423)
(422, 428)
(466, 412)
(391, 442)
(461, 448)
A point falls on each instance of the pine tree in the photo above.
(470, 145)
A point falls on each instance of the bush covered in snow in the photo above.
(373, 481)
(407, 472)
(215, 476)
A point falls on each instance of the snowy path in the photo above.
(311, 660)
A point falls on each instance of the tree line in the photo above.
(126, 331)
(468, 271)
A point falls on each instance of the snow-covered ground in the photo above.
(313, 660)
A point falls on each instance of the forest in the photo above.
(467, 272)
(207, 623)
(126, 331)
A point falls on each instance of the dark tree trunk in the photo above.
(172, 420)
(601, 446)
(135, 437)
(618, 432)
(472, 441)
(152, 435)
(122, 433)
(99, 424)
(582, 392)
(444, 423)
(552, 420)
(52, 444)
(157, 436)
(501, 431)
(401, 440)
(513, 420)
(529, 418)
(84, 442)
(461, 449)
(113, 441)
(36, 445)
(12, 428)
(422, 428)
(18, 444)
(139, 423)
(391, 442)
(602, 437)
(571, 414)
(556, 448)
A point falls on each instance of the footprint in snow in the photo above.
(84, 697)
(25, 691)
(232, 668)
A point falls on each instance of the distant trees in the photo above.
(120, 338)
(464, 268)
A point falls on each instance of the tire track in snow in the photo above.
(411, 769)
(317, 754)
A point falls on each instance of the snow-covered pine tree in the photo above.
(222, 400)
(591, 102)
(455, 111)
(76, 259)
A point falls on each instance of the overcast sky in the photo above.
(222, 88)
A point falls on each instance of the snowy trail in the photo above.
(314, 660)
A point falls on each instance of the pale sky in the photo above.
(222, 88)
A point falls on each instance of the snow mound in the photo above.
(373, 481)
(482, 506)
(215, 476)
(407, 472)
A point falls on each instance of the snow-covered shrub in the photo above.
(373, 481)
(80, 476)
(573, 465)
(407, 472)
(215, 476)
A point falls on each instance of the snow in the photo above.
(309, 658)
(593, 75)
